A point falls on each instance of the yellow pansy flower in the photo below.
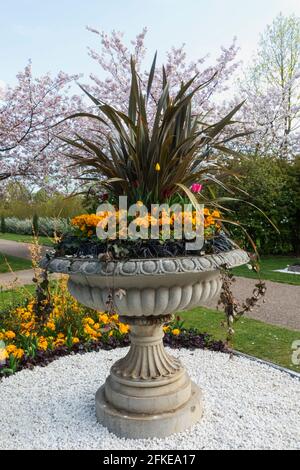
(18, 353)
(176, 332)
(10, 335)
(123, 328)
(50, 325)
(11, 348)
(104, 318)
(42, 343)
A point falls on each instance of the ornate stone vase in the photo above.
(148, 392)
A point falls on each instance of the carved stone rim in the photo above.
(147, 266)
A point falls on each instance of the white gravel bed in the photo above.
(247, 406)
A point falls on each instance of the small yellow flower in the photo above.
(42, 343)
(114, 317)
(104, 318)
(153, 220)
(11, 348)
(216, 214)
(27, 326)
(19, 353)
(88, 321)
(157, 167)
(89, 331)
(166, 328)
(176, 332)
(75, 340)
(50, 325)
(10, 335)
(142, 221)
(58, 343)
(209, 221)
(123, 328)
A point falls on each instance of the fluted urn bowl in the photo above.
(148, 392)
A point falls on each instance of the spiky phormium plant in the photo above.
(152, 162)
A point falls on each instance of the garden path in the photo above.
(19, 278)
(16, 279)
(18, 249)
(281, 306)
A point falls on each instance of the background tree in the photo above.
(273, 185)
(29, 150)
(272, 88)
(294, 182)
(18, 201)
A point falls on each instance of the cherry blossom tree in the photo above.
(272, 89)
(29, 148)
(114, 59)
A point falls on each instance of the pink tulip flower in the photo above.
(196, 188)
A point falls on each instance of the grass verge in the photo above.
(47, 241)
(15, 263)
(253, 337)
(268, 265)
(14, 297)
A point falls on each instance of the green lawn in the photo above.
(253, 337)
(268, 265)
(14, 297)
(16, 264)
(47, 241)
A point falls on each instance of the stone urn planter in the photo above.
(148, 392)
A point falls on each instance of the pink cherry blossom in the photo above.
(29, 148)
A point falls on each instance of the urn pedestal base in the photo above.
(148, 392)
(142, 426)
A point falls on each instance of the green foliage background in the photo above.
(18, 201)
(273, 185)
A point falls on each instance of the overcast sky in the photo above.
(52, 32)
